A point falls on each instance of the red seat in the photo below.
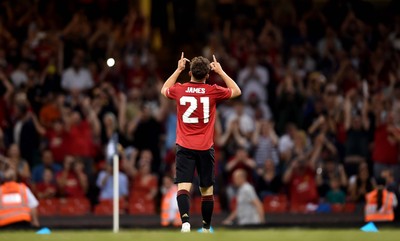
(217, 205)
(48, 207)
(195, 205)
(141, 206)
(298, 208)
(275, 204)
(105, 207)
(74, 206)
(337, 208)
(349, 207)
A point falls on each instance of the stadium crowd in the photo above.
(318, 120)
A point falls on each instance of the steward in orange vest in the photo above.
(14, 202)
(169, 206)
(379, 204)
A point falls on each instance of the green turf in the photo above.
(228, 235)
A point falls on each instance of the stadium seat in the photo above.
(105, 207)
(275, 204)
(74, 206)
(48, 207)
(349, 207)
(217, 205)
(337, 208)
(141, 206)
(343, 208)
(195, 205)
(298, 208)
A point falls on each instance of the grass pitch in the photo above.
(219, 235)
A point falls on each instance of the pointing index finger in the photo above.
(182, 55)
(215, 60)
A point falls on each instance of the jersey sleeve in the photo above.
(171, 91)
(222, 93)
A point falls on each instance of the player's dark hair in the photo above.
(200, 67)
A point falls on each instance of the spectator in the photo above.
(83, 127)
(360, 184)
(146, 131)
(289, 102)
(19, 75)
(249, 209)
(57, 140)
(300, 178)
(335, 195)
(269, 182)
(390, 181)
(46, 187)
(328, 171)
(380, 204)
(266, 141)
(77, 77)
(47, 163)
(17, 210)
(105, 181)
(169, 206)
(286, 142)
(386, 144)
(253, 79)
(144, 183)
(239, 126)
(72, 181)
(19, 165)
(357, 127)
(242, 161)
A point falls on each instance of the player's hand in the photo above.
(182, 63)
(215, 66)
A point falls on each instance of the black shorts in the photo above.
(187, 160)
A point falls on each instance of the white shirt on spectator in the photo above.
(106, 191)
(251, 85)
(246, 122)
(80, 79)
(18, 77)
(32, 201)
(285, 143)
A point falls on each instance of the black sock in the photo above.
(207, 206)
(184, 204)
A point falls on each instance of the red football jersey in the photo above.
(196, 105)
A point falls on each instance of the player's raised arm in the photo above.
(216, 67)
(172, 79)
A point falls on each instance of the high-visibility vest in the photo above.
(385, 213)
(169, 197)
(13, 203)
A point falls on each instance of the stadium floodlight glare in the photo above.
(110, 62)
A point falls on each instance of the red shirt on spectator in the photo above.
(143, 185)
(43, 188)
(302, 187)
(57, 144)
(72, 186)
(80, 141)
(384, 151)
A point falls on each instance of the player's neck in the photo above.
(198, 81)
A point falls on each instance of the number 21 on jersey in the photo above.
(193, 105)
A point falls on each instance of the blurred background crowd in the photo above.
(318, 120)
